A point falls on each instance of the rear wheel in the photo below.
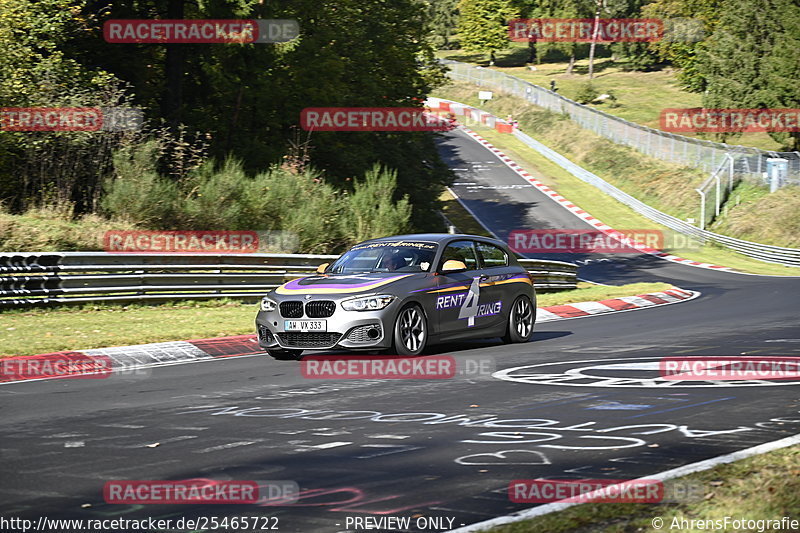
(284, 355)
(520, 321)
(410, 331)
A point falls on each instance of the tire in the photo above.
(521, 319)
(410, 331)
(285, 355)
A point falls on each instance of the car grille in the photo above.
(308, 340)
(320, 308)
(359, 333)
(291, 309)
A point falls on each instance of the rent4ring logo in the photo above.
(372, 119)
(201, 31)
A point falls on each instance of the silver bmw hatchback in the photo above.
(399, 294)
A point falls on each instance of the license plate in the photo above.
(304, 325)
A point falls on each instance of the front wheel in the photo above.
(410, 331)
(520, 321)
(285, 355)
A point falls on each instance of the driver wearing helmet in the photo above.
(394, 261)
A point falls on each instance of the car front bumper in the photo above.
(350, 330)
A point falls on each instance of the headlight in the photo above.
(267, 304)
(368, 303)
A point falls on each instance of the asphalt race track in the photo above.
(444, 449)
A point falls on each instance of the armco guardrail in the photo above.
(764, 252)
(696, 153)
(41, 279)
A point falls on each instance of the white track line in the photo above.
(662, 476)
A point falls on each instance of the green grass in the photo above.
(37, 331)
(769, 218)
(594, 293)
(460, 217)
(610, 211)
(765, 486)
(640, 95)
(52, 228)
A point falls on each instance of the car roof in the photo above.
(436, 237)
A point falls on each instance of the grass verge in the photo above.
(460, 217)
(609, 210)
(762, 487)
(37, 331)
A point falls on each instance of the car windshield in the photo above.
(386, 256)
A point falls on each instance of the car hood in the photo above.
(344, 283)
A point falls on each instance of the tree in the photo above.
(570, 9)
(527, 9)
(443, 19)
(782, 68)
(751, 60)
(41, 51)
(683, 53)
(483, 25)
(639, 55)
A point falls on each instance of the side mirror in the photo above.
(451, 265)
(321, 269)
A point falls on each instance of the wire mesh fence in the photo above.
(750, 163)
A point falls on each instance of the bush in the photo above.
(138, 194)
(372, 211)
(224, 197)
(587, 93)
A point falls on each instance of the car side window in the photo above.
(492, 256)
(462, 251)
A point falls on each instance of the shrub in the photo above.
(137, 193)
(372, 210)
(587, 93)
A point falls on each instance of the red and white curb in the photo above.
(143, 356)
(136, 357)
(613, 305)
(574, 209)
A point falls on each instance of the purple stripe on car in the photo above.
(294, 285)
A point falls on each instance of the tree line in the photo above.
(211, 105)
(746, 53)
(217, 102)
